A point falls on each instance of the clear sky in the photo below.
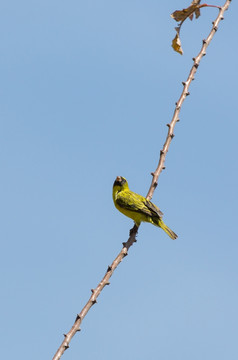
(87, 88)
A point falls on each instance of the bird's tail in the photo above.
(168, 231)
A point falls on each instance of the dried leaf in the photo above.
(181, 15)
(197, 13)
(176, 43)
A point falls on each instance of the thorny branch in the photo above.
(185, 93)
(105, 281)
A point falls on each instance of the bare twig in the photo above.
(95, 293)
(185, 93)
(105, 281)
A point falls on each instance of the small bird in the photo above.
(137, 207)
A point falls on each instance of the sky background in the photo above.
(86, 90)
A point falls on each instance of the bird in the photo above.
(137, 207)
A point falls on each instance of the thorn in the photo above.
(215, 28)
(78, 329)
(78, 317)
(161, 152)
(65, 335)
(195, 65)
(153, 174)
(193, 59)
(183, 83)
(163, 168)
(172, 136)
(107, 283)
(124, 243)
(178, 120)
(109, 268)
(178, 107)
(204, 54)
(187, 93)
(222, 18)
(66, 347)
(94, 302)
(155, 184)
(92, 290)
(168, 125)
(204, 41)
(125, 254)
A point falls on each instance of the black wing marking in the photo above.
(153, 208)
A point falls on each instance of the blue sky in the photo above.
(87, 88)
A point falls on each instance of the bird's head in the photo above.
(120, 184)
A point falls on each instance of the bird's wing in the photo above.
(134, 202)
(153, 208)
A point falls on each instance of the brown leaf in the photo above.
(181, 15)
(197, 13)
(176, 43)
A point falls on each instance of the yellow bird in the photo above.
(137, 207)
